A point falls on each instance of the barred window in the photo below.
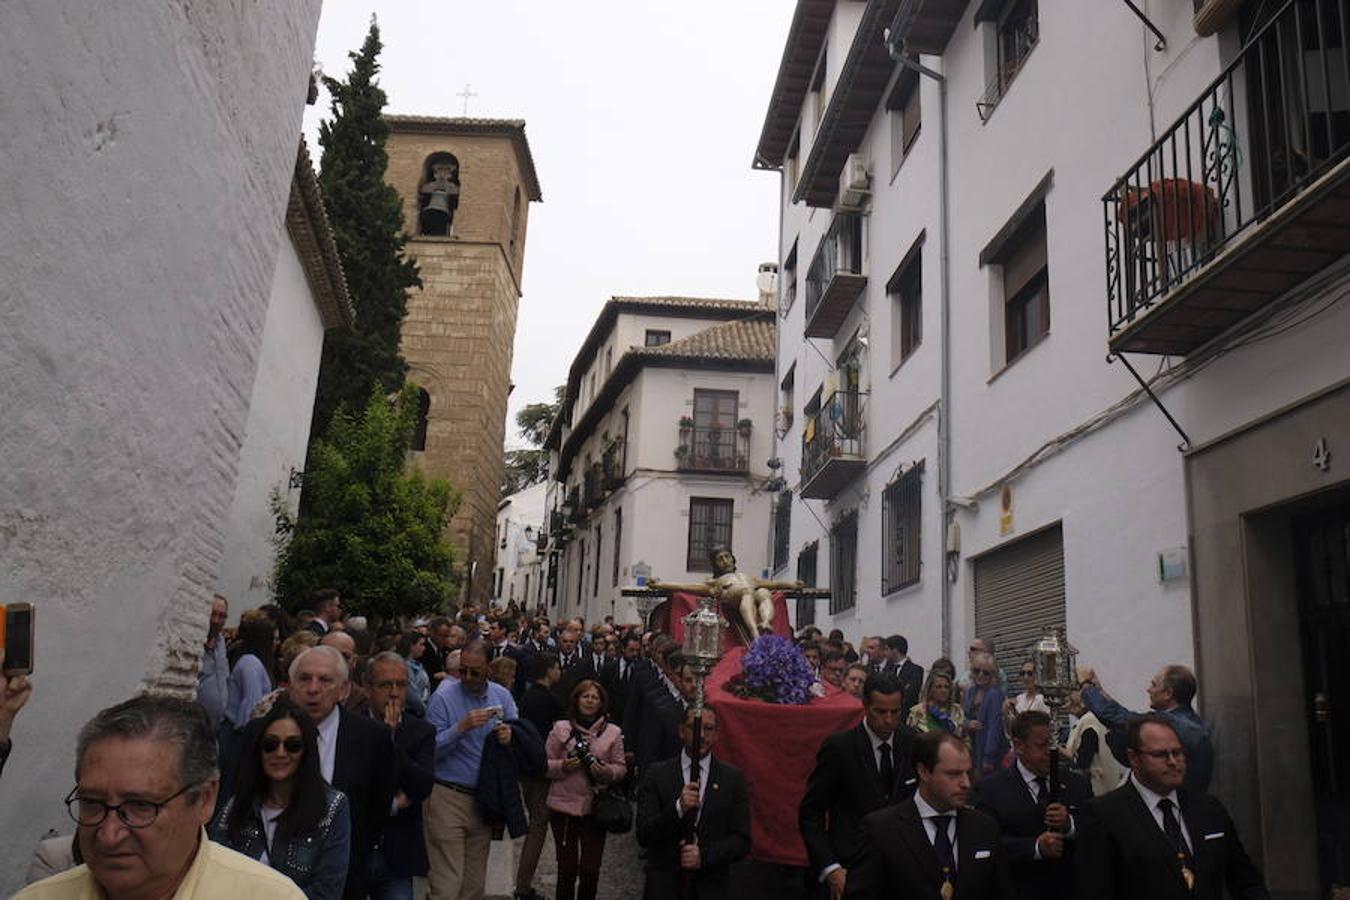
(782, 529)
(901, 521)
(806, 574)
(709, 527)
(844, 564)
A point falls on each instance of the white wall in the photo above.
(519, 560)
(1080, 107)
(275, 435)
(148, 156)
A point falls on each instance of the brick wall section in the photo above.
(460, 331)
(151, 150)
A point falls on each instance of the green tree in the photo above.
(367, 220)
(530, 466)
(374, 527)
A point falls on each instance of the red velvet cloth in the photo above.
(669, 617)
(775, 746)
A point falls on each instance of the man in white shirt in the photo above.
(933, 845)
(693, 817)
(1153, 839)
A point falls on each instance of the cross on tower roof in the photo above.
(466, 94)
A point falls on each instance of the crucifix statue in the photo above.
(752, 597)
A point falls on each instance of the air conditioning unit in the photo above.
(854, 182)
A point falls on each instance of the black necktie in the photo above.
(1172, 827)
(1040, 789)
(623, 672)
(942, 845)
(887, 768)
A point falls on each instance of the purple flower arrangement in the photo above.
(775, 670)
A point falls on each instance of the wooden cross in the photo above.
(466, 94)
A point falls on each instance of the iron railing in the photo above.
(839, 251)
(1276, 119)
(837, 429)
(714, 448)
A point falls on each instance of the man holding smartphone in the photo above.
(14, 693)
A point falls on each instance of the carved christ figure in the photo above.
(753, 597)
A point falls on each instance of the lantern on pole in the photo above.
(1056, 661)
(703, 644)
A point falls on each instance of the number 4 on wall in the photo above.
(1321, 455)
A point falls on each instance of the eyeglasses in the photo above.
(90, 813)
(1028, 673)
(1161, 755)
(392, 685)
(271, 742)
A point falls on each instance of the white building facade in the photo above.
(309, 296)
(519, 575)
(966, 188)
(661, 450)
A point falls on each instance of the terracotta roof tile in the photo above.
(730, 340)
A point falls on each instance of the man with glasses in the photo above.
(466, 711)
(146, 783)
(404, 854)
(1152, 838)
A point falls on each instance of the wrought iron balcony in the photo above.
(836, 276)
(612, 464)
(833, 444)
(1244, 197)
(713, 449)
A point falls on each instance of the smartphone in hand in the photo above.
(17, 622)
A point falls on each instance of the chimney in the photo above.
(767, 282)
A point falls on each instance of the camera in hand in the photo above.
(582, 751)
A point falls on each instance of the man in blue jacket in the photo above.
(1170, 695)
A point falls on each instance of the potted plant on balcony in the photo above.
(682, 452)
(744, 426)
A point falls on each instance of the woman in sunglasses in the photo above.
(283, 814)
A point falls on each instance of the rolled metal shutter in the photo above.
(1019, 593)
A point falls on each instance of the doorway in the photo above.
(1322, 560)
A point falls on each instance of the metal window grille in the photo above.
(782, 529)
(709, 527)
(844, 564)
(901, 518)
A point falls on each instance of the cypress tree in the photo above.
(367, 220)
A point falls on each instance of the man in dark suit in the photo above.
(356, 755)
(1039, 819)
(899, 666)
(327, 606)
(663, 703)
(1152, 839)
(703, 794)
(618, 674)
(857, 772)
(932, 845)
(404, 854)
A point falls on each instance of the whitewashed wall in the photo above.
(276, 433)
(1080, 107)
(148, 156)
(518, 559)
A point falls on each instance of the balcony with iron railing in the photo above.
(833, 445)
(724, 449)
(1244, 197)
(836, 276)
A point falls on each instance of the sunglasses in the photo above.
(271, 742)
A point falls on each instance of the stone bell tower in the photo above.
(466, 186)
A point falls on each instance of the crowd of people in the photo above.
(341, 759)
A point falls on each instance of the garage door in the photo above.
(1019, 593)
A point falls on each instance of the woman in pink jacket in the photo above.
(585, 752)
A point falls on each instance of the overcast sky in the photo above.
(642, 118)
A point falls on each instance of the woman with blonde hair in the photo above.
(938, 710)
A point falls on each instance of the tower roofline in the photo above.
(511, 128)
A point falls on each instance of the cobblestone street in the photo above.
(620, 874)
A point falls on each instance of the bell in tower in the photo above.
(440, 195)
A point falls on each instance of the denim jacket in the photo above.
(1191, 730)
(316, 861)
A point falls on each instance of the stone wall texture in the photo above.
(148, 151)
(459, 334)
